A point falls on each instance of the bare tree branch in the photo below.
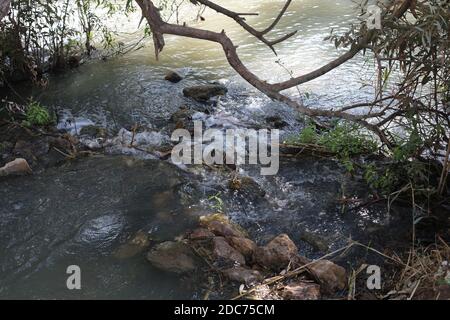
(241, 21)
(159, 28)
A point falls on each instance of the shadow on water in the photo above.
(80, 214)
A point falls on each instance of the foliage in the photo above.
(37, 115)
(216, 203)
(343, 139)
(45, 35)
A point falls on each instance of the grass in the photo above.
(37, 115)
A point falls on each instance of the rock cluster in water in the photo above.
(227, 249)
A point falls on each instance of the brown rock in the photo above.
(245, 246)
(301, 291)
(17, 167)
(277, 254)
(201, 234)
(331, 276)
(221, 226)
(175, 257)
(243, 275)
(205, 92)
(226, 255)
(173, 77)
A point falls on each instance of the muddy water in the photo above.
(84, 212)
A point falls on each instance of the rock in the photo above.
(243, 275)
(301, 291)
(245, 246)
(173, 77)
(175, 257)
(133, 247)
(317, 242)
(277, 254)
(226, 256)
(205, 92)
(93, 131)
(248, 187)
(17, 167)
(331, 276)
(221, 226)
(182, 119)
(226, 230)
(276, 122)
(201, 234)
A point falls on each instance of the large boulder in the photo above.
(243, 275)
(175, 257)
(277, 254)
(331, 277)
(17, 167)
(225, 255)
(301, 291)
(205, 92)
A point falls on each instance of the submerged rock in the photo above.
(136, 245)
(173, 77)
(243, 275)
(205, 92)
(17, 167)
(301, 291)
(175, 257)
(248, 187)
(226, 255)
(277, 254)
(317, 242)
(182, 119)
(331, 276)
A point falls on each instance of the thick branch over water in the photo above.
(159, 28)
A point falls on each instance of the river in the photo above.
(85, 211)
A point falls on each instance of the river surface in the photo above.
(85, 211)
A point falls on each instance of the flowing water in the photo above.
(84, 212)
